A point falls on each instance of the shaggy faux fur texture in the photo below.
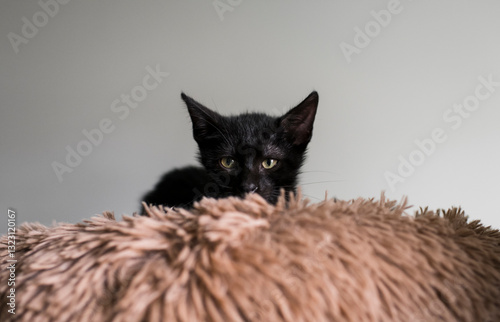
(245, 260)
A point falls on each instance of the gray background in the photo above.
(259, 56)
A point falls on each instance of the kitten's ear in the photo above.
(297, 124)
(204, 119)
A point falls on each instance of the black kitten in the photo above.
(246, 153)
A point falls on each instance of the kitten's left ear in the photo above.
(298, 122)
(205, 121)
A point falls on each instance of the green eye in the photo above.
(227, 163)
(269, 163)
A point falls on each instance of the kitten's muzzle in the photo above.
(250, 188)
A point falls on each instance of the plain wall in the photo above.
(388, 73)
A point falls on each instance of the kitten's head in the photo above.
(252, 152)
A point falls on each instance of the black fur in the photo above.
(249, 139)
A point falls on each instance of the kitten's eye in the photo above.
(269, 163)
(227, 163)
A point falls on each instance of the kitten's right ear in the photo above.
(298, 122)
(204, 120)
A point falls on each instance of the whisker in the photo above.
(220, 132)
(216, 107)
(312, 197)
(318, 182)
(318, 171)
(214, 125)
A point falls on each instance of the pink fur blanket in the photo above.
(246, 260)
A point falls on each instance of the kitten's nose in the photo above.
(250, 187)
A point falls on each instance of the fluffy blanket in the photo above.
(246, 260)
